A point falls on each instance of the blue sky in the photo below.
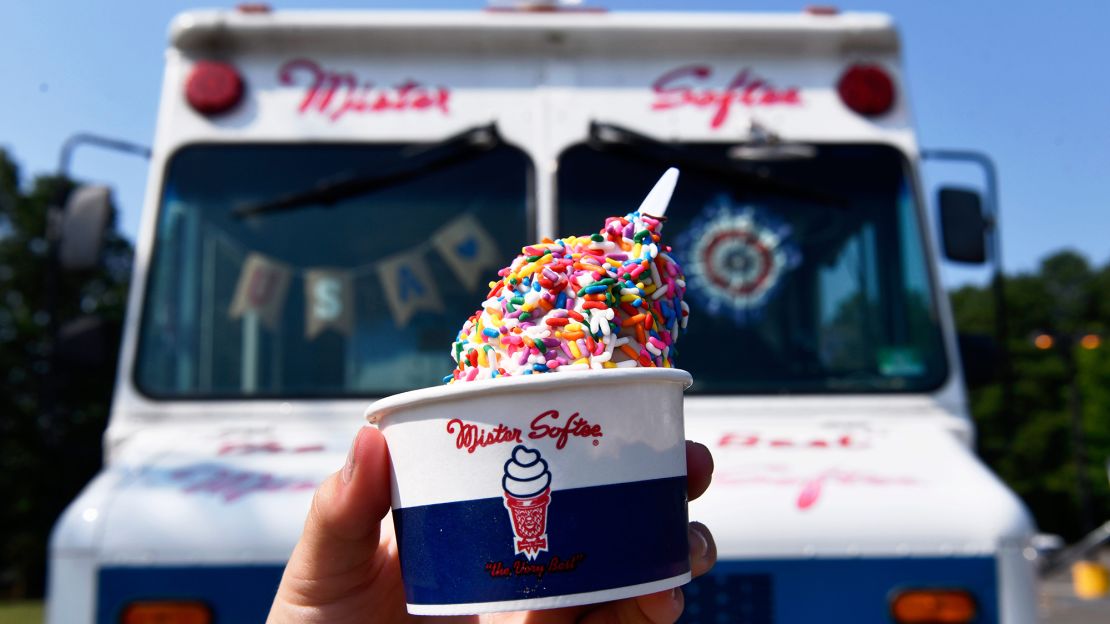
(1022, 81)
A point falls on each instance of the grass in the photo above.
(21, 612)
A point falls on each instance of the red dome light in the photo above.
(866, 89)
(213, 87)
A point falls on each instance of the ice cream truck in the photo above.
(331, 192)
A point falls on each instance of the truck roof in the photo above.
(219, 30)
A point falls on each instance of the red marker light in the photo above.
(866, 89)
(213, 87)
(166, 612)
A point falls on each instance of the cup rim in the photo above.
(380, 409)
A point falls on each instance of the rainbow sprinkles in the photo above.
(610, 300)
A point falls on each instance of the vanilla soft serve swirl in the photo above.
(526, 473)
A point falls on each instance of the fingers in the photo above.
(659, 608)
(699, 469)
(666, 607)
(703, 549)
(351, 503)
(662, 607)
(341, 533)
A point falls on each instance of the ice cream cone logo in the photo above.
(527, 485)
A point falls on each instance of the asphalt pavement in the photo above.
(1058, 604)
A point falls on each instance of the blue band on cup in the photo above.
(595, 538)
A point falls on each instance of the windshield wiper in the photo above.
(613, 138)
(413, 163)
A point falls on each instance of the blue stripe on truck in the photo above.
(782, 591)
(831, 591)
(234, 593)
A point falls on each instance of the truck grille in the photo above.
(729, 599)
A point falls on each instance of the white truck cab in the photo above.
(330, 193)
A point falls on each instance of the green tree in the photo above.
(1064, 297)
(45, 459)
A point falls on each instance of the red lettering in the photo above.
(576, 426)
(521, 568)
(232, 485)
(680, 87)
(470, 436)
(752, 440)
(323, 85)
(810, 492)
(497, 570)
(248, 448)
(811, 487)
(673, 96)
(334, 94)
(734, 439)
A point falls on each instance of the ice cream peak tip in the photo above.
(657, 200)
(612, 299)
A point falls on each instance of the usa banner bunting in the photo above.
(329, 301)
(408, 286)
(407, 282)
(468, 250)
(261, 290)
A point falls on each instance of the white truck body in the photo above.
(824, 503)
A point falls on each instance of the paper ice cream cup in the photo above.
(538, 492)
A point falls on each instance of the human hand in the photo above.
(345, 566)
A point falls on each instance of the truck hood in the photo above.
(192, 495)
(781, 488)
(797, 489)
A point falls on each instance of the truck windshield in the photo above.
(361, 295)
(787, 295)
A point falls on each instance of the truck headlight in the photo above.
(933, 606)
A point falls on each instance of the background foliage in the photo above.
(45, 459)
(1032, 450)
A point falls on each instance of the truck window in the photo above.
(343, 295)
(788, 294)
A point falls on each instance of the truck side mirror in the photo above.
(963, 228)
(84, 221)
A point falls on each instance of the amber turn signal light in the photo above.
(167, 612)
(933, 606)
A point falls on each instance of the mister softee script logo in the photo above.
(335, 94)
(691, 86)
(471, 437)
(526, 481)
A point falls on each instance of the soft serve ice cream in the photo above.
(526, 474)
(612, 299)
(535, 474)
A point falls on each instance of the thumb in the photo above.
(341, 533)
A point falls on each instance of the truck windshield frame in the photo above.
(360, 297)
(787, 295)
